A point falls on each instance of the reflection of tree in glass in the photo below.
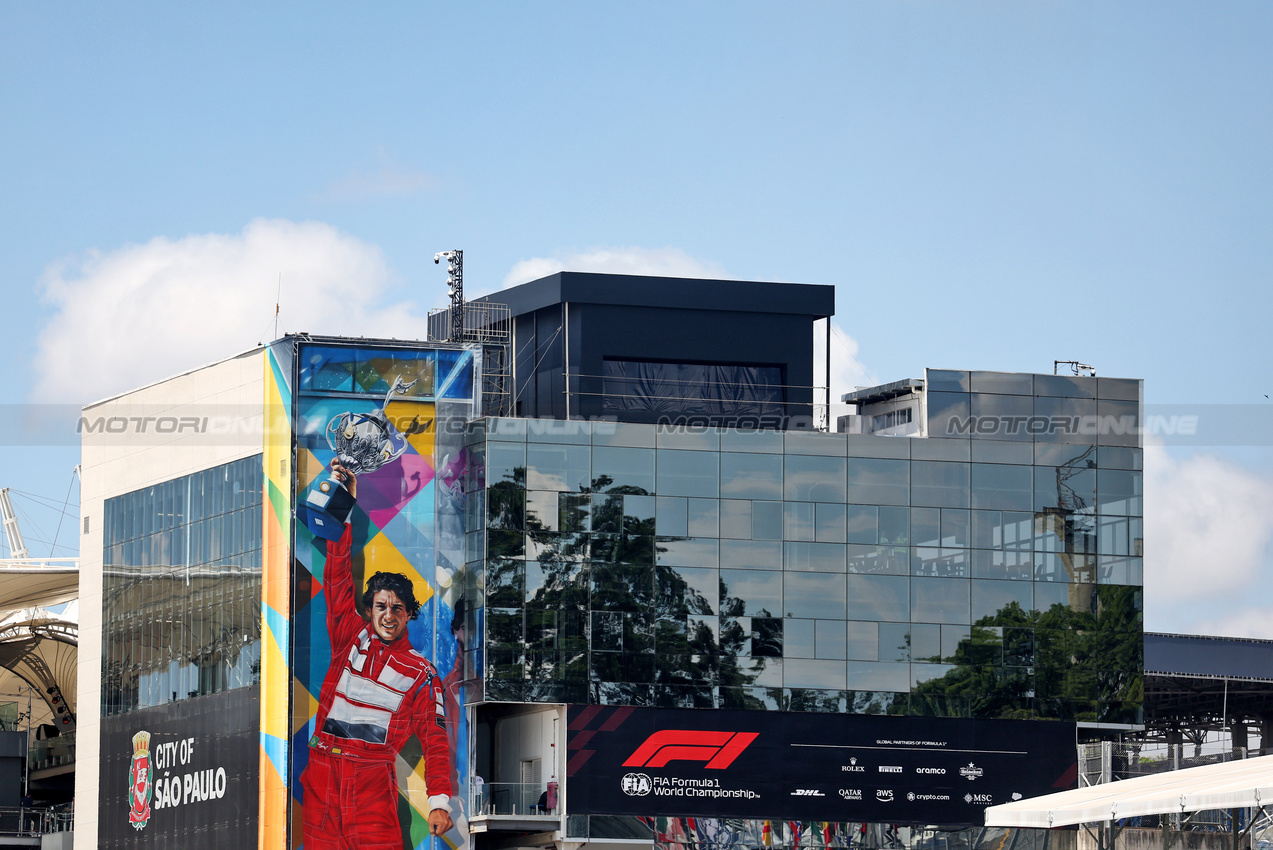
(1059, 663)
(603, 613)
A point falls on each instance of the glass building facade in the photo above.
(181, 601)
(990, 569)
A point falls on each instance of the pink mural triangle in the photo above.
(383, 493)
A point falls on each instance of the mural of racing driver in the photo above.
(378, 692)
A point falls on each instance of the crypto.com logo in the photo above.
(718, 749)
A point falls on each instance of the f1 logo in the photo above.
(718, 749)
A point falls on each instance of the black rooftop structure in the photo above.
(663, 349)
(1198, 683)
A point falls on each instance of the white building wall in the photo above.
(229, 396)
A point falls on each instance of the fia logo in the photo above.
(884, 795)
(636, 784)
(971, 772)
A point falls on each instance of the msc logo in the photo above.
(980, 799)
(884, 795)
(636, 784)
(807, 792)
(718, 749)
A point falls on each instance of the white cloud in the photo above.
(140, 313)
(667, 262)
(1208, 525)
(388, 178)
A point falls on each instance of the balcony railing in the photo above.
(511, 798)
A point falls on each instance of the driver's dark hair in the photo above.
(398, 584)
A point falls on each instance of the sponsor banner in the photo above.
(173, 774)
(794, 766)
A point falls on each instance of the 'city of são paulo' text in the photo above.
(673, 786)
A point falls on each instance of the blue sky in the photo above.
(988, 185)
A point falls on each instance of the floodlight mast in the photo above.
(455, 284)
(17, 548)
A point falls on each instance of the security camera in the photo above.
(437, 258)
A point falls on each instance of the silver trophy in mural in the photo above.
(363, 442)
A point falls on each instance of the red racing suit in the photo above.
(375, 696)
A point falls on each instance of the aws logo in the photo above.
(717, 749)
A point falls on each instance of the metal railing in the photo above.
(30, 821)
(53, 752)
(511, 798)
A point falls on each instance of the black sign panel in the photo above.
(182, 775)
(793, 766)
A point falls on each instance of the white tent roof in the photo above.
(1227, 785)
(27, 583)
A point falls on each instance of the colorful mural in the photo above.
(378, 726)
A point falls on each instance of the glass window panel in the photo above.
(505, 462)
(815, 557)
(954, 527)
(1005, 383)
(816, 595)
(863, 523)
(732, 440)
(622, 588)
(672, 517)
(704, 517)
(688, 590)
(939, 484)
(953, 638)
(735, 519)
(879, 560)
(751, 476)
(939, 600)
(1001, 417)
(879, 481)
(925, 526)
(688, 552)
(1049, 593)
(807, 673)
(925, 642)
(879, 597)
(829, 639)
(551, 466)
(1111, 536)
(1006, 601)
(1000, 564)
(688, 473)
(629, 470)
(895, 524)
(877, 676)
(948, 414)
(767, 637)
(751, 554)
(1119, 492)
(798, 639)
(766, 520)
(947, 380)
(811, 478)
(1115, 457)
(829, 523)
(798, 521)
(1068, 386)
(622, 434)
(1064, 420)
(863, 640)
(1119, 422)
(895, 642)
(639, 513)
(1001, 487)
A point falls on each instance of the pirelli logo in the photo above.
(717, 749)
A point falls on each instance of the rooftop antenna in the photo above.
(1076, 368)
(455, 284)
(278, 300)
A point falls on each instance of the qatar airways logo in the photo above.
(717, 749)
